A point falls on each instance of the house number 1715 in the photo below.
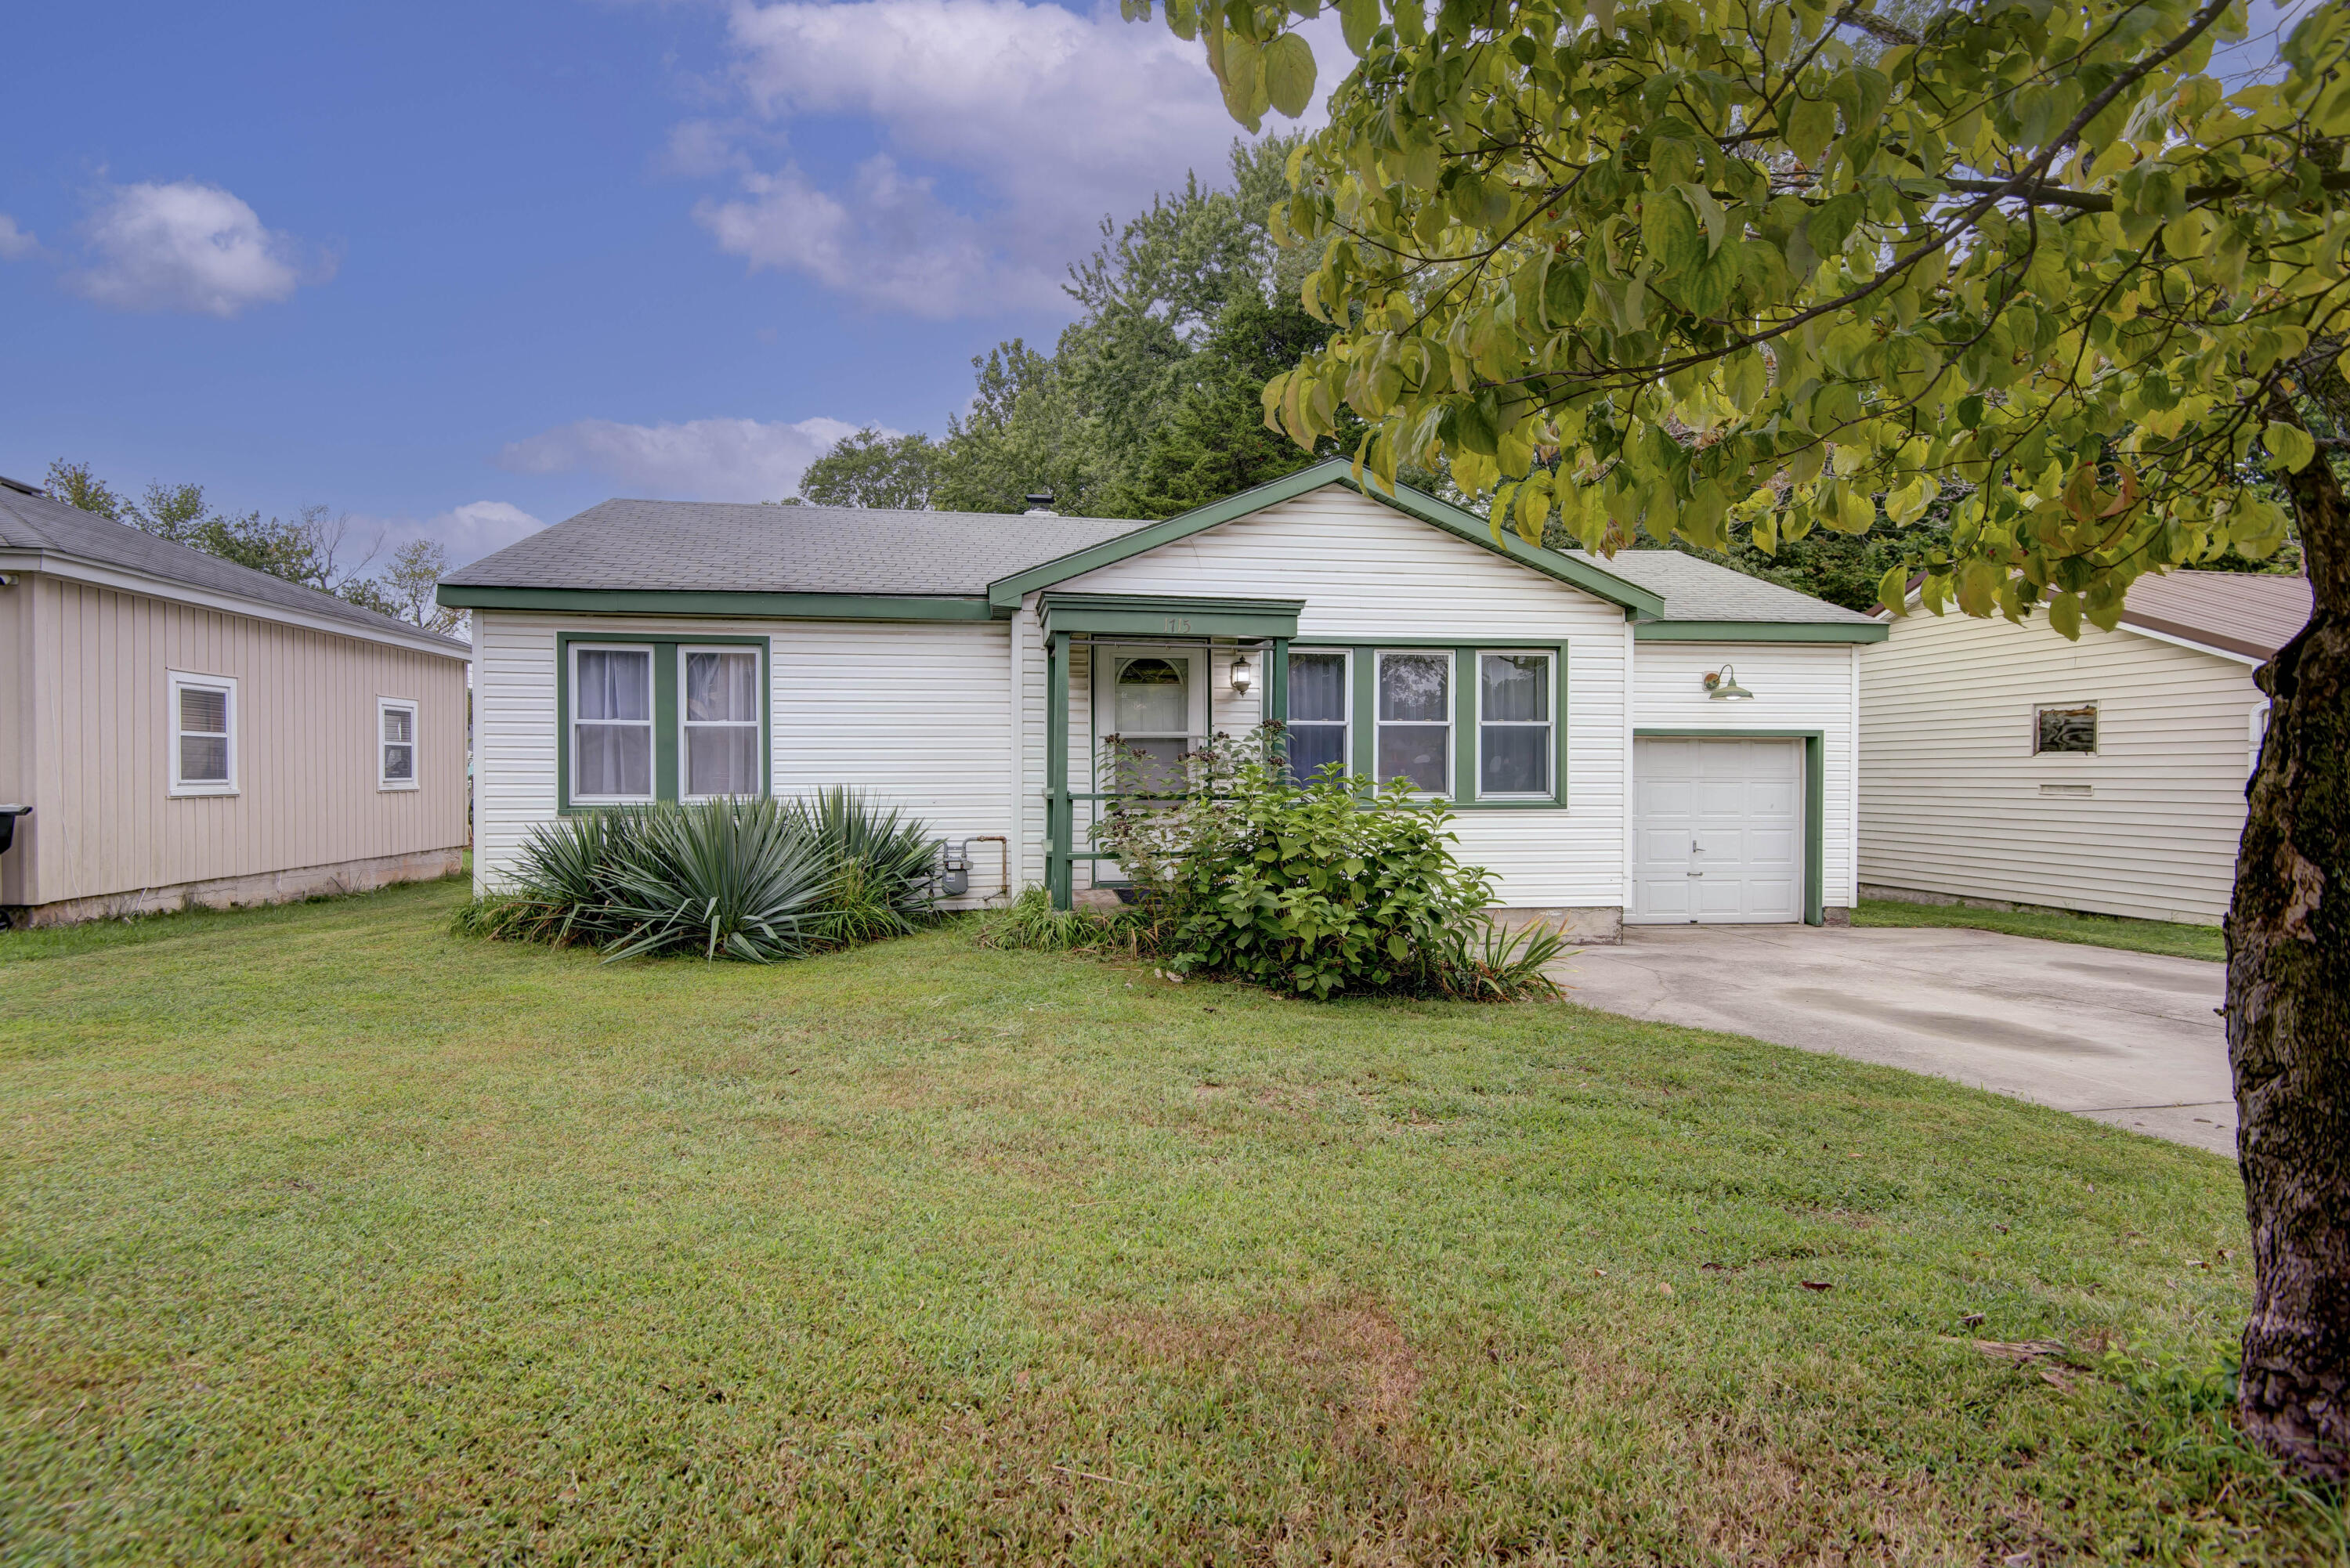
(1179, 623)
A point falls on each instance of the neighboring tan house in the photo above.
(2002, 763)
(1574, 713)
(187, 731)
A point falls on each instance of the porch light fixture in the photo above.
(1722, 686)
(1242, 676)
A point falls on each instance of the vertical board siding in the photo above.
(1950, 788)
(1796, 686)
(915, 712)
(98, 729)
(1369, 573)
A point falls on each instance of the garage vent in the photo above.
(2068, 789)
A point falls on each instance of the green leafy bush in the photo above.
(1322, 887)
(757, 880)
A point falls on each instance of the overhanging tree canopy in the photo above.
(1666, 264)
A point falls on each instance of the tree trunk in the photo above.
(2289, 1017)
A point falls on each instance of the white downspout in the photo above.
(1631, 649)
(1015, 849)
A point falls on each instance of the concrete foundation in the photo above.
(1581, 926)
(286, 886)
(1961, 901)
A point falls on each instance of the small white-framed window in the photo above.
(1321, 704)
(2067, 728)
(395, 750)
(203, 734)
(1415, 719)
(611, 723)
(720, 707)
(1516, 724)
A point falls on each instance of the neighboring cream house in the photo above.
(2001, 762)
(1579, 715)
(176, 730)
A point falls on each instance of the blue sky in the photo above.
(461, 268)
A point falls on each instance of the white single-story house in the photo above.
(2003, 764)
(1588, 721)
(178, 730)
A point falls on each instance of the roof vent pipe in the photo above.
(1040, 504)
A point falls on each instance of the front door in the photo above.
(1718, 831)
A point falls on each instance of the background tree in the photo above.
(871, 468)
(1667, 266)
(1149, 348)
(316, 548)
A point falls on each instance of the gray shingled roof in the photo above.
(38, 523)
(719, 546)
(716, 546)
(1695, 589)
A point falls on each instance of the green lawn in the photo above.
(326, 1237)
(2056, 926)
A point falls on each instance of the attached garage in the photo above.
(1719, 831)
(1744, 787)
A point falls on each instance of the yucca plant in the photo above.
(881, 863)
(561, 891)
(738, 878)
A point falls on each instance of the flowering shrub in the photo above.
(1319, 887)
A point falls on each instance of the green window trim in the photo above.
(1362, 741)
(668, 721)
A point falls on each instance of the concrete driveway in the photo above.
(2127, 1038)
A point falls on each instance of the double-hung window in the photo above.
(1319, 696)
(395, 724)
(612, 724)
(721, 722)
(203, 734)
(1415, 719)
(1515, 726)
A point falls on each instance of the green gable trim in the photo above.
(768, 606)
(1168, 615)
(1759, 631)
(1005, 593)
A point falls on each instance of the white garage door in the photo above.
(1718, 830)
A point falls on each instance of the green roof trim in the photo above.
(771, 607)
(1170, 614)
(1005, 593)
(1760, 632)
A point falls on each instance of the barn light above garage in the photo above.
(1722, 686)
(1242, 676)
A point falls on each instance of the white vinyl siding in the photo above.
(1373, 578)
(1952, 795)
(204, 734)
(395, 726)
(914, 711)
(1798, 687)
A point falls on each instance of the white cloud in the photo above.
(467, 532)
(890, 242)
(707, 460)
(16, 243)
(189, 246)
(478, 527)
(1048, 119)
